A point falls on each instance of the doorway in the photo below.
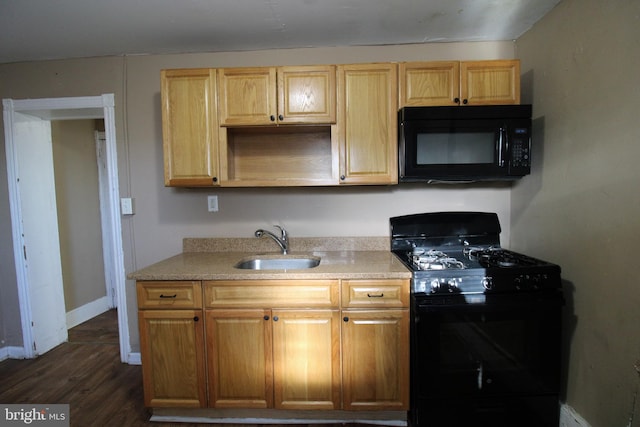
(34, 216)
(77, 166)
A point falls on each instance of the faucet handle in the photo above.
(283, 232)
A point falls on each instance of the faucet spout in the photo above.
(282, 241)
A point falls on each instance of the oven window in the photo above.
(455, 148)
(487, 353)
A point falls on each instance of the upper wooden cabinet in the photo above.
(189, 127)
(367, 123)
(282, 95)
(460, 83)
(307, 94)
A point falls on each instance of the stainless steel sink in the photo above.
(288, 263)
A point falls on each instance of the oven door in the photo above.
(486, 360)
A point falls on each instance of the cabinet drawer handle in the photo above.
(380, 295)
(168, 296)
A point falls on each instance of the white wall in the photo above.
(581, 207)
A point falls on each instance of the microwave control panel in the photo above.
(520, 149)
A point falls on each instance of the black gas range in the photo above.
(486, 322)
(460, 253)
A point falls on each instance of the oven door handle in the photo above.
(495, 303)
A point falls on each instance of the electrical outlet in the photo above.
(212, 203)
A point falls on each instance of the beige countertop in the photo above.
(214, 259)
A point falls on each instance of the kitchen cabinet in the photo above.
(239, 358)
(278, 156)
(189, 127)
(255, 150)
(443, 83)
(277, 95)
(171, 341)
(273, 344)
(375, 344)
(367, 123)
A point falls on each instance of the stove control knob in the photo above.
(487, 283)
(453, 284)
(435, 285)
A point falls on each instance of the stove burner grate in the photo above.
(434, 260)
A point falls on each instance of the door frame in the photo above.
(90, 107)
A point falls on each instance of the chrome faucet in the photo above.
(282, 241)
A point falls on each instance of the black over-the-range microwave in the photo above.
(464, 143)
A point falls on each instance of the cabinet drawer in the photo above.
(169, 295)
(272, 293)
(375, 293)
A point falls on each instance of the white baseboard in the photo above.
(570, 418)
(134, 359)
(88, 311)
(11, 352)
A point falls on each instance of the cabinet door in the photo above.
(306, 353)
(307, 94)
(189, 127)
(247, 96)
(239, 358)
(429, 83)
(490, 82)
(375, 359)
(367, 121)
(171, 347)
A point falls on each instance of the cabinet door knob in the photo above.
(342, 177)
(196, 318)
(456, 100)
(273, 118)
(280, 117)
(266, 317)
(275, 318)
(465, 101)
(345, 318)
(215, 179)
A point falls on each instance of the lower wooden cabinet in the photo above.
(306, 359)
(171, 343)
(232, 352)
(171, 330)
(283, 359)
(375, 356)
(239, 358)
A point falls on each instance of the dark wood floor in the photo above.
(87, 374)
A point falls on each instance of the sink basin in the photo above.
(292, 263)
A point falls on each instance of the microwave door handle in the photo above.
(502, 146)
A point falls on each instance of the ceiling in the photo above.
(46, 29)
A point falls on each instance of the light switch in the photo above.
(126, 206)
(212, 203)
